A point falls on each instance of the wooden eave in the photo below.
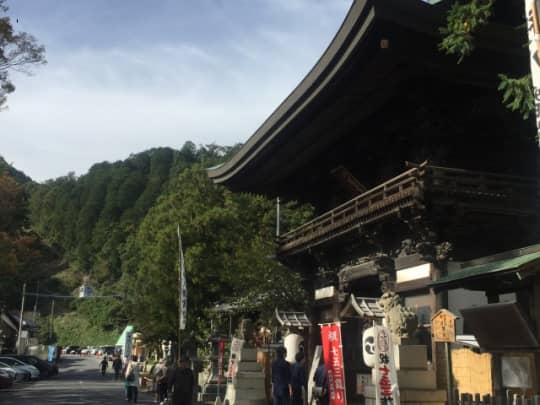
(351, 80)
(415, 189)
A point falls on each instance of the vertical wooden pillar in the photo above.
(536, 318)
(439, 300)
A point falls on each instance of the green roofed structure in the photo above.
(122, 339)
(502, 269)
(121, 342)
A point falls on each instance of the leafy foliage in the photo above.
(463, 20)
(117, 225)
(23, 256)
(228, 241)
(517, 94)
(18, 51)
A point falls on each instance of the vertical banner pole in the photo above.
(277, 217)
(449, 382)
(19, 348)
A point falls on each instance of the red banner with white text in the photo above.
(333, 361)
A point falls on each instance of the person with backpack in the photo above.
(131, 380)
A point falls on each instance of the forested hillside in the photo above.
(23, 255)
(117, 225)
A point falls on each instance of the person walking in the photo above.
(104, 364)
(181, 383)
(281, 378)
(298, 380)
(117, 367)
(161, 381)
(132, 380)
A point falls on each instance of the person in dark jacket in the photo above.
(281, 378)
(104, 364)
(320, 380)
(181, 382)
(117, 366)
(298, 379)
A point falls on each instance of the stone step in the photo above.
(212, 388)
(212, 397)
(249, 366)
(245, 393)
(249, 384)
(246, 402)
(248, 354)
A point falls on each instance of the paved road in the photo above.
(79, 382)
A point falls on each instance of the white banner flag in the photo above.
(182, 309)
(386, 384)
(532, 7)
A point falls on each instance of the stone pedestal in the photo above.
(417, 383)
(247, 385)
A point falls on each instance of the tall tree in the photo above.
(19, 51)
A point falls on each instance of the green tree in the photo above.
(464, 21)
(228, 245)
(19, 51)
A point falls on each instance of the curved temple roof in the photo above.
(295, 131)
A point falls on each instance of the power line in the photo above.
(72, 296)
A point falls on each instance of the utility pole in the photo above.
(35, 303)
(19, 351)
(51, 328)
(277, 217)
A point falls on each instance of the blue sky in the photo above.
(127, 75)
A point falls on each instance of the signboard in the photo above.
(533, 27)
(333, 361)
(384, 370)
(325, 292)
(128, 345)
(443, 326)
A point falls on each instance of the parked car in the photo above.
(45, 368)
(86, 350)
(19, 373)
(6, 378)
(73, 349)
(10, 361)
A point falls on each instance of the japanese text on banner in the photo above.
(333, 360)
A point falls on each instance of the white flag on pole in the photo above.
(182, 310)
